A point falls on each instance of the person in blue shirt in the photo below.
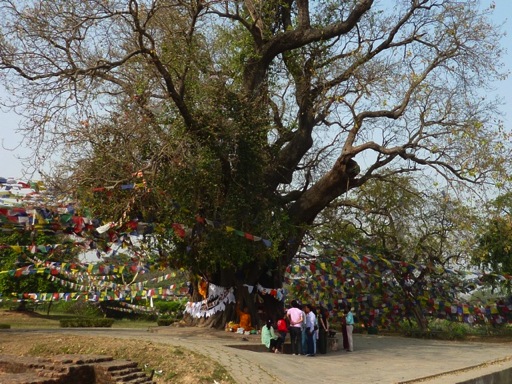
(349, 317)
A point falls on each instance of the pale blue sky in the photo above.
(10, 165)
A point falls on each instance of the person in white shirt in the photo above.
(310, 329)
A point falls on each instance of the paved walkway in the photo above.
(376, 359)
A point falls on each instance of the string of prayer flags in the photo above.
(367, 282)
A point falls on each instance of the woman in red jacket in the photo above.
(282, 328)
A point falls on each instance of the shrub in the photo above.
(61, 306)
(440, 329)
(147, 317)
(85, 308)
(163, 322)
(76, 307)
(5, 326)
(170, 306)
(86, 323)
(459, 331)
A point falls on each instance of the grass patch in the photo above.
(171, 364)
(35, 319)
(133, 324)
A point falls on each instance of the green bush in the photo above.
(61, 306)
(164, 322)
(147, 317)
(86, 323)
(76, 307)
(459, 331)
(440, 329)
(84, 308)
(5, 326)
(170, 306)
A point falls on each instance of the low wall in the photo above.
(501, 377)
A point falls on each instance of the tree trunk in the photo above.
(49, 307)
(419, 316)
(261, 306)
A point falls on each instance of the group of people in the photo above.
(308, 329)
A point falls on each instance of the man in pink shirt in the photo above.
(294, 315)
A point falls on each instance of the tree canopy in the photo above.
(256, 114)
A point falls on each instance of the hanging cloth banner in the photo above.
(216, 301)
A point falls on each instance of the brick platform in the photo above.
(65, 369)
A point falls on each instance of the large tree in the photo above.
(255, 114)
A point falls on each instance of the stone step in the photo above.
(27, 378)
(136, 381)
(124, 371)
(116, 365)
(80, 359)
(125, 377)
(51, 374)
(77, 368)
